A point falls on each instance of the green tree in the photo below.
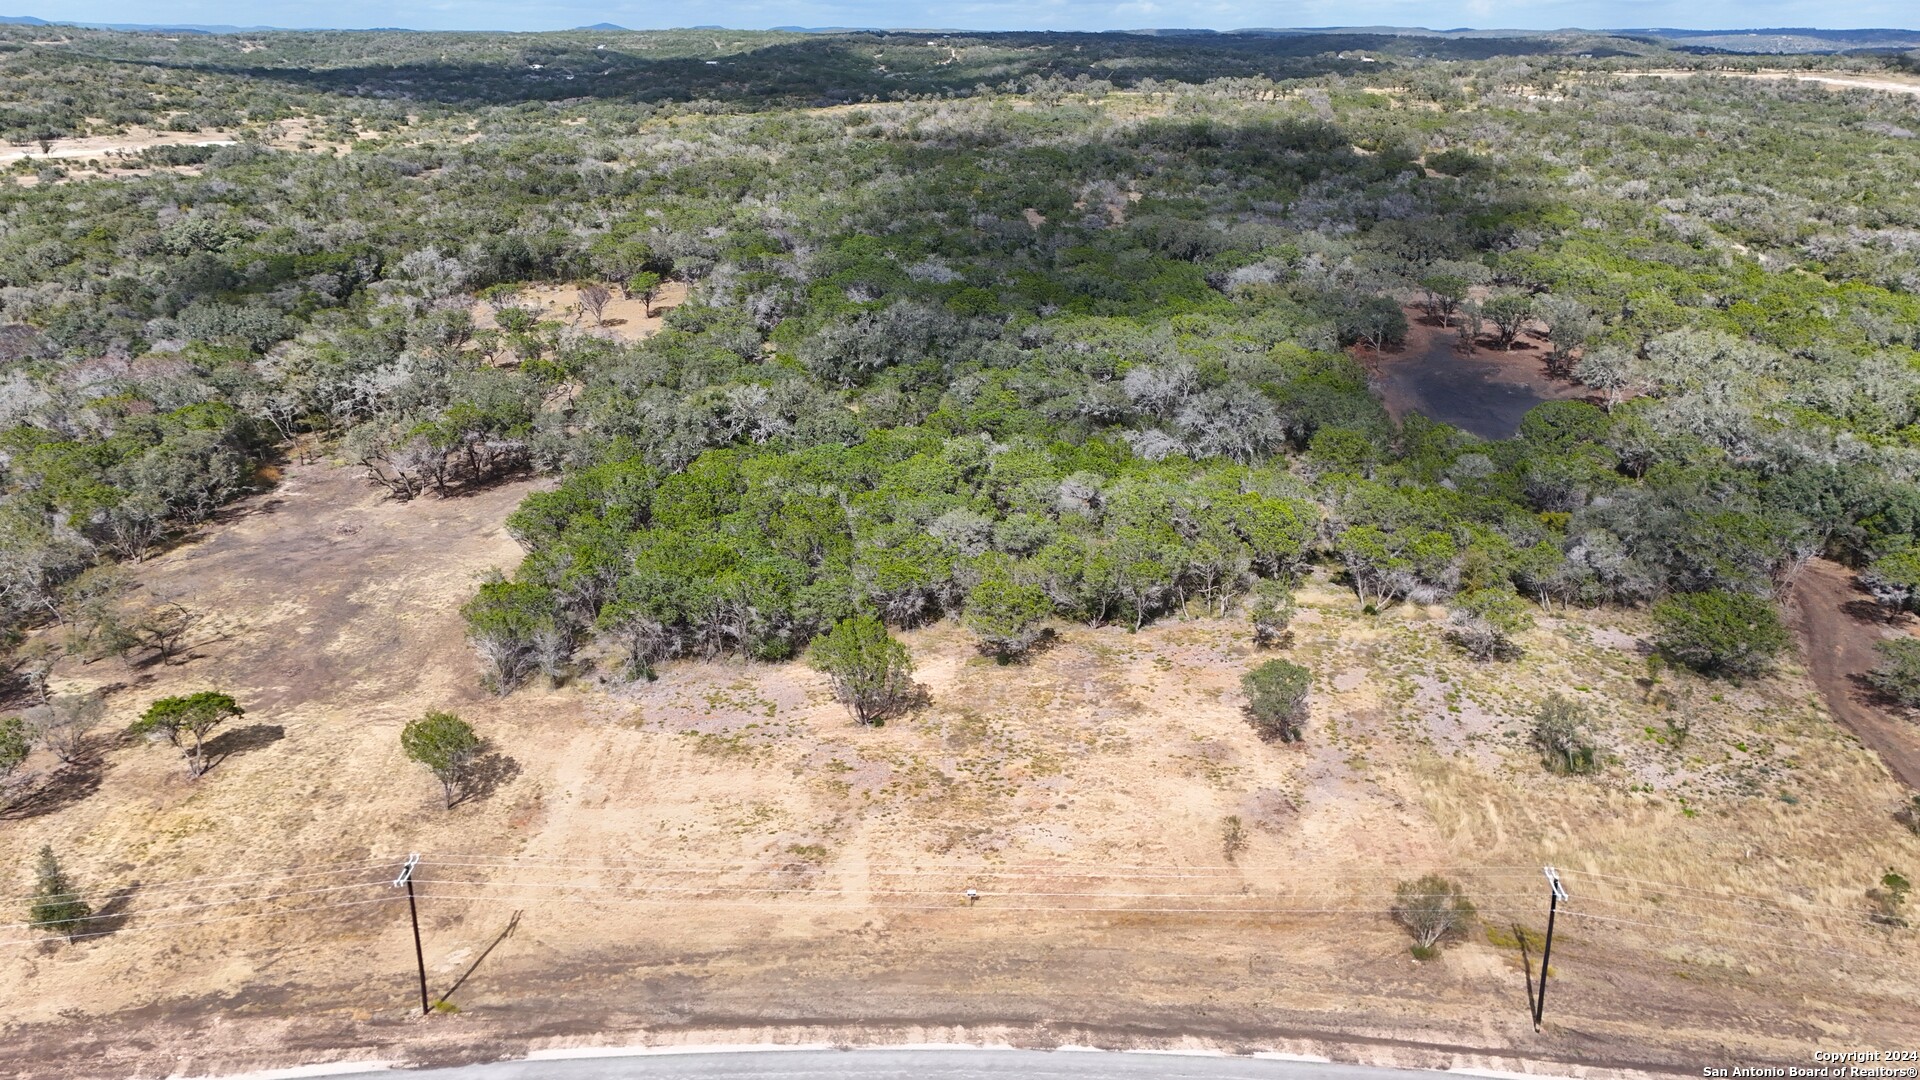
(55, 906)
(447, 746)
(1563, 735)
(1006, 615)
(14, 744)
(1442, 293)
(1508, 312)
(1894, 579)
(511, 624)
(1277, 699)
(1719, 632)
(1434, 910)
(644, 286)
(871, 673)
(14, 747)
(187, 721)
(1898, 673)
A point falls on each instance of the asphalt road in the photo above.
(885, 1064)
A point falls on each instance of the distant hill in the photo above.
(1796, 39)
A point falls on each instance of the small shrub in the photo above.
(1483, 624)
(1887, 903)
(1909, 815)
(1720, 633)
(1894, 580)
(1277, 699)
(1271, 611)
(1233, 836)
(1434, 910)
(1562, 734)
(1515, 936)
(1006, 615)
(1898, 674)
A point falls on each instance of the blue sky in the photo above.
(990, 14)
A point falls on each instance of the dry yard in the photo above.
(722, 850)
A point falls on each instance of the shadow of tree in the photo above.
(1042, 643)
(64, 786)
(1868, 694)
(111, 917)
(489, 772)
(241, 740)
(1872, 611)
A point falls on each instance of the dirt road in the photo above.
(1890, 84)
(1837, 625)
(109, 146)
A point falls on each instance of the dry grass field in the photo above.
(721, 849)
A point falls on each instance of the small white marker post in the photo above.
(419, 957)
(1546, 954)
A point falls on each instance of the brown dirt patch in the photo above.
(1838, 624)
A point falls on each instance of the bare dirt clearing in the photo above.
(117, 156)
(627, 318)
(722, 849)
(102, 146)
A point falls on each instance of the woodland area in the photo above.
(1087, 332)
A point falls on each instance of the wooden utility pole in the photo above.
(419, 956)
(1546, 952)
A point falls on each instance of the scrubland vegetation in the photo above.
(1036, 336)
(1077, 337)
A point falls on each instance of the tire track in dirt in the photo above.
(1827, 611)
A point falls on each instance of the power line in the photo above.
(935, 865)
(1696, 891)
(1718, 937)
(206, 922)
(867, 891)
(213, 904)
(1856, 919)
(232, 882)
(957, 906)
(1225, 876)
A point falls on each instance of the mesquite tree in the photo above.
(186, 721)
(447, 746)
